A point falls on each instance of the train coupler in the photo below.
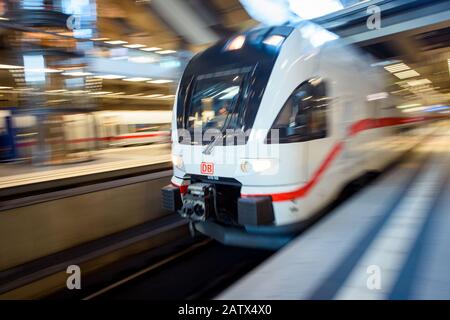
(198, 202)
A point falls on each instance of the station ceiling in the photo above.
(188, 26)
(159, 23)
(425, 50)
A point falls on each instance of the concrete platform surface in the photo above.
(389, 241)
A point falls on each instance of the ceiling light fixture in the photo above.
(134, 46)
(116, 42)
(420, 82)
(100, 39)
(109, 77)
(136, 79)
(161, 81)
(164, 52)
(151, 49)
(407, 74)
(397, 67)
(76, 73)
(101, 93)
(8, 66)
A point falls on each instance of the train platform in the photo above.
(105, 161)
(389, 241)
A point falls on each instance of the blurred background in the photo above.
(86, 95)
(82, 77)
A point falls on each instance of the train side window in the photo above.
(304, 115)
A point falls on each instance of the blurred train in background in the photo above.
(78, 134)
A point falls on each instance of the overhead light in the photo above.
(417, 109)
(377, 96)
(236, 43)
(101, 92)
(397, 67)
(141, 59)
(8, 66)
(109, 77)
(406, 106)
(436, 108)
(267, 11)
(407, 74)
(310, 9)
(49, 70)
(161, 81)
(56, 91)
(66, 34)
(274, 40)
(156, 95)
(5, 88)
(100, 39)
(116, 42)
(46, 70)
(136, 79)
(151, 49)
(163, 52)
(169, 96)
(134, 46)
(78, 91)
(420, 82)
(76, 73)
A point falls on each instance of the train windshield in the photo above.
(216, 102)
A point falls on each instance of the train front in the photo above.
(222, 153)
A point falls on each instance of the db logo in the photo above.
(207, 168)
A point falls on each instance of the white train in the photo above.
(129, 128)
(71, 132)
(268, 128)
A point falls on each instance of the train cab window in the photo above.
(214, 102)
(304, 115)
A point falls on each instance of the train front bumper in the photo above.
(240, 237)
(198, 204)
(254, 227)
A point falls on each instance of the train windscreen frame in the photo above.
(256, 58)
(217, 102)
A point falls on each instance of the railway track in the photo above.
(187, 269)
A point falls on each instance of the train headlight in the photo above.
(178, 161)
(236, 43)
(256, 165)
(274, 40)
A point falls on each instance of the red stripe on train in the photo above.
(183, 188)
(303, 191)
(354, 129)
(150, 135)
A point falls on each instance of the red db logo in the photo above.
(207, 168)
